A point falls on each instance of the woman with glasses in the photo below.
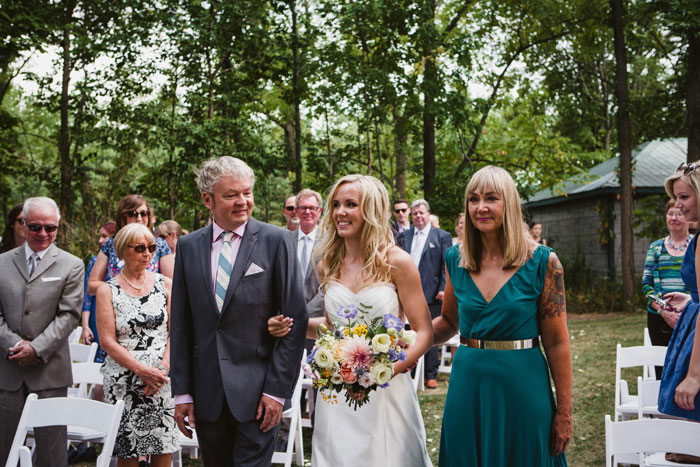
(13, 235)
(133, 318)
(662, 274)
(680, 382)
(131, 209)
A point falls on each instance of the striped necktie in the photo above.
(304, 263)
(223, 271)
(33, 263)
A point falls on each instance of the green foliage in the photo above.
(649, 217)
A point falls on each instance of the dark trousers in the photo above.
(51, 442)
(228, 442)
(659, 333)
(432, 362)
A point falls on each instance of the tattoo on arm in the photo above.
(553, 299)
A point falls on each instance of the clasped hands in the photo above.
(153, 378)
(23, 354)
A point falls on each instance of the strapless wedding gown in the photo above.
(386, 431)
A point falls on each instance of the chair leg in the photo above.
(299, 443)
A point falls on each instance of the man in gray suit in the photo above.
(230, 278)
(41, 293)
(308, 206)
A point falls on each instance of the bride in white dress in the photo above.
(360, 264)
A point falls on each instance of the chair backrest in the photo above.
(83, 352)
(647, 337)
(650, 435)
(84, 374)
(84, 413)
(75, 336)
(638, 356)
(648, 391)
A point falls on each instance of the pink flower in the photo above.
(366, 379)
(356, 353)
(347, 374)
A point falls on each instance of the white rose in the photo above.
(381, 343)
(336, 379)
(382, 373)
(324, 358)
(408, 336)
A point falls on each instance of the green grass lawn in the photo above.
(593, 341)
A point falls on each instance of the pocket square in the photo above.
(253, 269)
(432, 245)
(50, 279)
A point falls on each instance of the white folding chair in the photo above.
(84, 374)
(295, 443)
(648, 398)
(647, 338)
(626, 405)
(418, 374)
(445, 351)
(186, 444)
(75, 335)
(649, 439)
(96, 417)
(308, 385)
(83, 352)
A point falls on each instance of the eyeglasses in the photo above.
(49, 228)
(20, 220)
(143, 213)
(140, 248)
(289, 208)
(400, 210)
(687, 168)
(308, 208)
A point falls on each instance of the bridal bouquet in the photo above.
(357, 357)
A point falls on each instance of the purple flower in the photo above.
(347, 312)
(392, 355)
(313, 353)
(391, 321)
(402, 356)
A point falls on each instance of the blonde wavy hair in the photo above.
(376, 236)
(691, 179)
(515, 244)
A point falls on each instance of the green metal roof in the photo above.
(652, 162)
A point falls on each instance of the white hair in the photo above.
(420, 202)
(40, 202)
(212, 170)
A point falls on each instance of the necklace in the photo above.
(672, 246)
(129, 282)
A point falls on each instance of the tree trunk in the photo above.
(429, 88)
(64, 202)
(693, 96)
(400, 143)
(625, 146)
(296, 76)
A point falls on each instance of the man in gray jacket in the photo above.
(41, 293)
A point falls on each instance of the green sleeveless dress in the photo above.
(499, 405)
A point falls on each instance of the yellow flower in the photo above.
(360, 330)
(347, 331)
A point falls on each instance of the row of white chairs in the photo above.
(646, 441)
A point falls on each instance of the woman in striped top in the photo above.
(662, 274)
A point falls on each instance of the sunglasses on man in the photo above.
(49, 228)
(289, 208)
(135, 214)
(402, 210)
(140, 248)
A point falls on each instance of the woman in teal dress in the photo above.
(505, 295)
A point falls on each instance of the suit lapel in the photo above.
(20, 260)
(239, 267)
(408, 240)
(205, 242)
(431, 236)
(46, 262)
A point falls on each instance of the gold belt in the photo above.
(500, 345)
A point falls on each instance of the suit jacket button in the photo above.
(220, 329)
(26, 312)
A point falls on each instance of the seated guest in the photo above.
(13, 235)
(41, 288)
(133, 318)
(132, 209)
(170, 231)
